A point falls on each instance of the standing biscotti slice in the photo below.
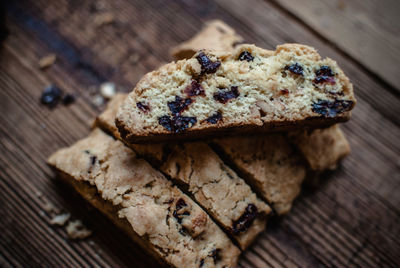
(215, 35)
(247, 90)
(144, 203)
(269, 164)
(195, 167)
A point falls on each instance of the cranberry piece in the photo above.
(245, 55)
(324, 75)
(224, 96)
(178, 215)
(143, 107)
(331, 108)
(245, 221)
(214, 254)
(177, 124)
(194, 89)
(214, 118)
(207, 66)
(285, 91)
(93, 159)
(179, 105)
(68, 99)
(295, 68)
(51, 96)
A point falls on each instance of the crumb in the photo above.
(47, 61)
(98, 100)
(107, 90)
(49, 207)
(76, 230)
(103, 19)
(60, 219)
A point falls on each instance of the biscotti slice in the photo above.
(158, 215)
(218, 189)
(196, 168)
(215, 35)
(269, 164)
(247, 90)
(322, 148)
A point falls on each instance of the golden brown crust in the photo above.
(322, 148)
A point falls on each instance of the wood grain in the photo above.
(351, 219)
(368, 31)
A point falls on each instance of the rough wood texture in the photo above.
(350, 220)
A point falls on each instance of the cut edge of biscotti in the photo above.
(247, 90)
(156, 214)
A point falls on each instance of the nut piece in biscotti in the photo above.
(269, 164)
(322, 148)
(216, 35)
(218, 189)
(144, 203)
(247, 90)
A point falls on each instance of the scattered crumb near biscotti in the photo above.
(107, 90)
(50, 207)
(60, 219)
(98, 100)
(76, 230)
(47, 61)
(103, 19)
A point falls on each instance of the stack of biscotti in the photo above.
(191, 189)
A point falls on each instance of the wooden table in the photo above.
(352, 219)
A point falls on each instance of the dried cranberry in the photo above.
(178, 206)
(93, 159)
(214, 118)
(194, 89)
(207, 66)
(324, 75)
(177, 123)
(51, 96)
(215, 255)
(224, 96)
(143, 107)
(331, 108)
(179, 105)
(245, 221)
(245, 55)
(284, 91)
(68, 99)
(295, 68)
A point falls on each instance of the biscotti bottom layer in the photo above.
(168, 223)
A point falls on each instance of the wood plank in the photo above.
(368, 31)
(351, 220)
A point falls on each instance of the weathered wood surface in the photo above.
(352, 219)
